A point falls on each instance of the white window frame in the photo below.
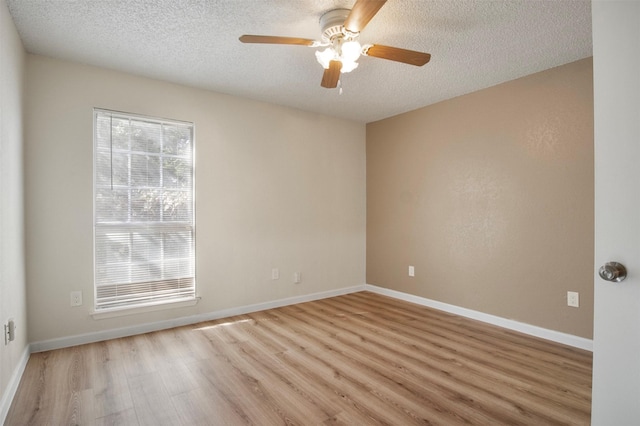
(164, 246)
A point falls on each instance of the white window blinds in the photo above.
(143, 210)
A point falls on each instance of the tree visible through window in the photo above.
(143, 210)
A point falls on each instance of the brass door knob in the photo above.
(613, 271)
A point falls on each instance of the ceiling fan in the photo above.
(340, 31)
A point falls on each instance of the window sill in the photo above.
(140, 309)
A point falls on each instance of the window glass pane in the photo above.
(177, 206)
(177, 140)
(176, 172)
(119, 172)
(103, 133)
(146, 137)
(145, 171)
(146, 256)
(103, 168)
(120, 134)
(177, 245)
(112, 168)
(111, 205)
(146, 205)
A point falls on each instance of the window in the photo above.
(143, 211)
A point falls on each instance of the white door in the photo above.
(616, 340)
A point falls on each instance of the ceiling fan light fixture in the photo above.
(347, 53)
(351, 51)
(348, 66)
(325, 56)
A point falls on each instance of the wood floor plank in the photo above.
(112, 399)
(205, 406)
(360, 358)
(80, 409)
(111, 390)
(121, 418)
(151, 401)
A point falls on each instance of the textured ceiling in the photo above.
(474, 44)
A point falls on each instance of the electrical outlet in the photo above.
(275, 274)
(412, 271)
(76, 298)
(297, 277)
(573, 299)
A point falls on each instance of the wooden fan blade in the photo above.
(276, 40)
(331, 75)
(361, 14)
(410, 57)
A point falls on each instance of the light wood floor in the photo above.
(357, 359)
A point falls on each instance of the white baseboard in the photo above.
(98, 336)
(532, 330)
(12, 386)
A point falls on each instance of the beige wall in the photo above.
(275, 187)
(490, 197)
(12, 276)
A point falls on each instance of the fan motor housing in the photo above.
(331, 23)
